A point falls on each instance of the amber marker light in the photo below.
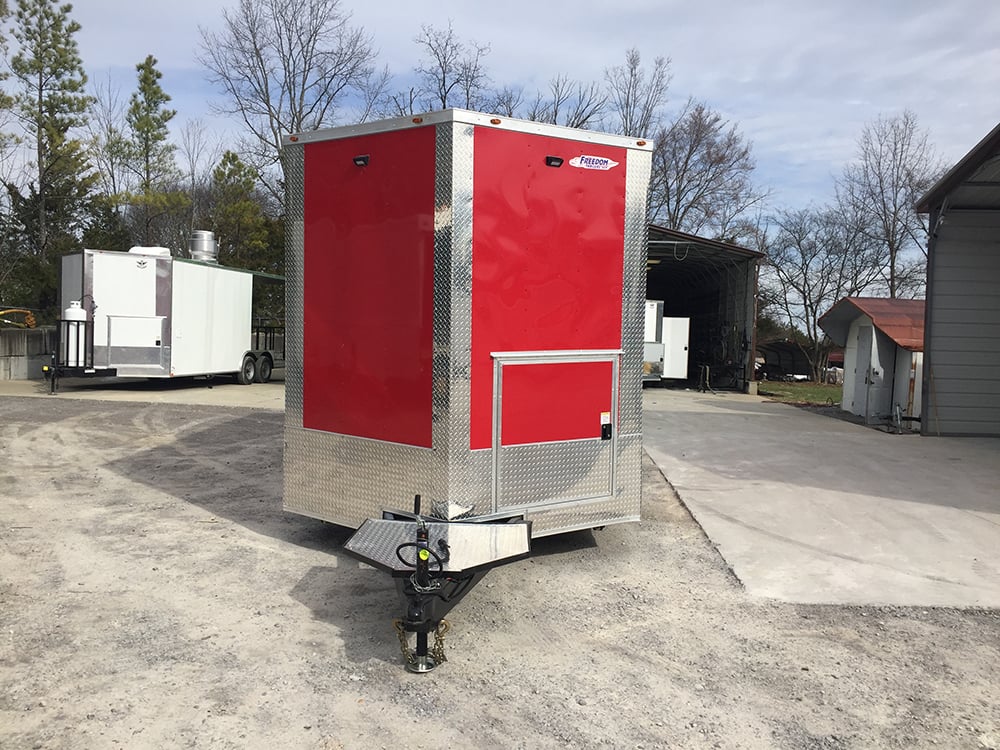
(293, 138)
(640, 143)
(495, 121)
(418, 120)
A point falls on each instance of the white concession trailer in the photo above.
(144, 313)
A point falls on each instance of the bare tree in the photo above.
(401, 103)
(373, 93)
(570, 103)
(637, 95)
(107, 144)
(198, 154)
(702, 176)
(895, 165)
(453, 72)
(285, 67)
(507, 101)
(816, 257)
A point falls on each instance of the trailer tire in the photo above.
(247, 371)
(264, 368)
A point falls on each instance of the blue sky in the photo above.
(799, 78)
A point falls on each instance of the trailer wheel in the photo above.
(264, 368)
(248, 370)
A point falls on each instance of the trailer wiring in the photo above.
(463, 583)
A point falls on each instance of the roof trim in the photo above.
(958, 174)
(696, 240)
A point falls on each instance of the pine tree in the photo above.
(238, 218)
(50, 102)
(151, 155)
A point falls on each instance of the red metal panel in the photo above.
(547, 254)
(369, 286)
(550, 402)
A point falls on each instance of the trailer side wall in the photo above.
(210, 320)
(369, 287)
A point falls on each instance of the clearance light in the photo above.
(293, 138)
(495, 121)
(640, 143)
(418, 120)
(362, 160)
(553, 161)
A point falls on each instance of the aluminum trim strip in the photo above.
(558, 355)
(468, 117)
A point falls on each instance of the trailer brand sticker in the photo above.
(605, 417)
(140, 264)
(592, 162)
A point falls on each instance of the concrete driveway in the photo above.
(812, 509)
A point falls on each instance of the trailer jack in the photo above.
(435, 564)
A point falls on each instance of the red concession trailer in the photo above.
(465, 300)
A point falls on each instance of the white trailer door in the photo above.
(210, 318)
(675, 347)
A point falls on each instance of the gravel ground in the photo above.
(153, 594)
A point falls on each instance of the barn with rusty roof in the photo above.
(883, 342)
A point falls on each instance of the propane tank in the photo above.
(74, 331)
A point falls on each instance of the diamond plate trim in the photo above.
(345, 480)
(638, 167)
(293, 162)
(550, 472)
(457, 546)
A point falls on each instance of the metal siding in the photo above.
(555, 401)
(547, 255)
(337, 478)
(369, 287)
(346, 479)
(963, 400)
(468, 473)
(963, 329)
(211, 318)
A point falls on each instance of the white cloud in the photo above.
(799, 78)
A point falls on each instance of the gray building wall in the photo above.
(24, 351)
(961, 388)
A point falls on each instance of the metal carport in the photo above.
(715, 285)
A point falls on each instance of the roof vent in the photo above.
(202, 246)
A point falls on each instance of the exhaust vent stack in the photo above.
(202, 246)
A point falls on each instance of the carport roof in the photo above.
(669, 243)
(973, 183)
(902, 320)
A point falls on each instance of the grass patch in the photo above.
(800, 393)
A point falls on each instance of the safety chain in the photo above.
(436, 651)
(403, 645)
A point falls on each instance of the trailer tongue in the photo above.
(435, 564)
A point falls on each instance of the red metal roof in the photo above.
(902, 320)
